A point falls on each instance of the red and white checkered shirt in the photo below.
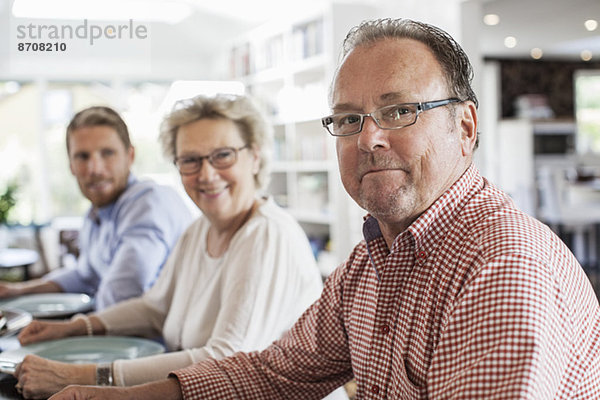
(475, 300)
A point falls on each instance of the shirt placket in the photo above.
(385, 328)
(414, 259)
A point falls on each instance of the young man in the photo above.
(131, 226)
(454, 293)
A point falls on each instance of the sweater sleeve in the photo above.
(135, 372)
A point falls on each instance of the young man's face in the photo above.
(100, 162)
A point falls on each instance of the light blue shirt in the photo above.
(124, 245)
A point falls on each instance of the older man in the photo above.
(131, 226)
(454, 292)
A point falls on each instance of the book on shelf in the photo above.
(308, 39)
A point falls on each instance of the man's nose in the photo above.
(95, 163)
(372, 137)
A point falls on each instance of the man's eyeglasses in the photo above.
(395, 116)
(220, 158)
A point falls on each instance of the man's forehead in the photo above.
(398, 97)
(389, 71)
(100, 135)
(96, 131)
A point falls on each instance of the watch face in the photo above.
(104, 374)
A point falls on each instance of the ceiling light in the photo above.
(491, 19)
(108, 10)
(586, 55)
(591, 24)
(510, 41)
(536, 53)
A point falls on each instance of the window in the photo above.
(587, 110)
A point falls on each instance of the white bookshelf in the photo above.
(287, 68)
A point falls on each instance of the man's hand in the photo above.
(13, 289)
(92, 393)
(167, 389)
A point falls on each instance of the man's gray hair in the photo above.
(455, 64)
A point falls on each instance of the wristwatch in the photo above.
(104, 375)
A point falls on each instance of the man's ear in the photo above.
(468, 126)
(131, 155)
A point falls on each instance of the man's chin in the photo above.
(385, 206)
(101, 201)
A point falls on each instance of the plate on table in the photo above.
(51, 305)
(83, 350)
(15, 320)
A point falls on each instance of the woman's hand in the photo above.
(39, 378)
(38, 331)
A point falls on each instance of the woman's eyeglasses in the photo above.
(221, 158)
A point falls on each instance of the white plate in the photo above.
(83, 349)
(51, 305)
(16, 320)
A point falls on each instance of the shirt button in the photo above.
(374, 389)
(421, 256)
(384, 329)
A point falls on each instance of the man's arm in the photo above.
(167, 389)
(28, 287)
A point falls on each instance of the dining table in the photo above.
(20, 311)
(42, 305)
(94, 349)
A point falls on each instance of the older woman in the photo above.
(236, 280)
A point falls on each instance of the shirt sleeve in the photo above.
(143, 236)
(82, 278)
(311, 360)
(506, 327)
